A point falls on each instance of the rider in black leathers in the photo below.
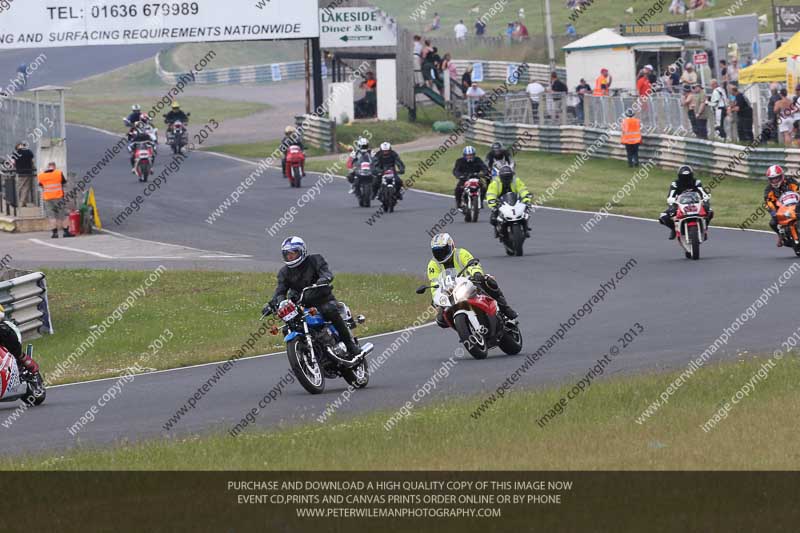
(498, 153)
(137, 135)
(302, 270)
(684, 182)
(468, 165)
(387, 159)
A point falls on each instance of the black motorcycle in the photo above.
(363, 182)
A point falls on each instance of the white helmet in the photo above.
(386, 146)
(289, 130)
(362, 143)
(136, 107)
(442, 247)
(293, 245)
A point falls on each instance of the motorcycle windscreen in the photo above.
(510, 198)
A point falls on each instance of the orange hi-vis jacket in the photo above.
(631, 131)
(52, 185)
(598, 86)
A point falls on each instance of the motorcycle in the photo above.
(15, 381)
(690, 223)
(475, 316)
(512, 219)
(143, 159)
(177, 136)
(148, 130)
(313, 345)
(788, 220)
(498, 165)
(388, 194)
(295, 160)
(363, 183)
(471, 202)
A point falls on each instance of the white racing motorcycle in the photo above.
(512, 219)
(14, 382)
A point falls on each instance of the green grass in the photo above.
(595, 184)
(258, 150)
(209, 313)
(101, 101)
(597, 431)
(395, 131)
(184, 56)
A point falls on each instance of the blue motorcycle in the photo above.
(313, 345)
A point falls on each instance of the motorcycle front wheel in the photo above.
(511, 342)
(474, 342)
(694, 241)
(305, 366)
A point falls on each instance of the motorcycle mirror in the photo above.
(422, 289)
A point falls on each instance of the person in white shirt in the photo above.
(460, 30)
(719, 103)
(474, 95)
(534, 90)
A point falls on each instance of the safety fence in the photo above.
(26, 121)
(501, 70)
(293, 70)
(24, 296)
(669, 151)
(317, 131)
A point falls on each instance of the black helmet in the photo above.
(497, 148)
(686, 176)
(506, 175)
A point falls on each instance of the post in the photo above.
(549, 28)
(316, 56)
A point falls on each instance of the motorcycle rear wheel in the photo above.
(465, 331)
(309, 374)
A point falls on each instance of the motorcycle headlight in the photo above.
(464, 291)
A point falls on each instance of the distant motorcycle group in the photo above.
(143, 138)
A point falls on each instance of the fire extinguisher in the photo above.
(75, 222)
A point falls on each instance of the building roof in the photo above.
(608, 38)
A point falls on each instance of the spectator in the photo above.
(772, 118)
(571, 31)
(474, 96)
(723, 73)
(732, 117)
(466, 79)
(418, 60)
(744, 115)
(631, 137)
(782, 112)
(428, 66)
(688, 102)
(460, 30)
(675, 78)
(701, 111)
(535, 90)
(559, 90)
(733, 71)
(521, 32)
(689, 77)
(52, 183)
(665, 81)
(643, 85)
(719, 104)
(449, 68)
(480, 28)
(582, 89)
(510, 33)
(25, 168)
(651, 75)
(22, 74)
(677, 7)
(437, 22)
(602, 84)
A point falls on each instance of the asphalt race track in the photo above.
(683, 305)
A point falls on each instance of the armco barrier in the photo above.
(24, 297)
(295, 70)
(498, 71)
(317, 131)
(714, 158)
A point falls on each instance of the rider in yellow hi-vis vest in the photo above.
(446, 255)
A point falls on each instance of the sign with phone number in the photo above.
(54, 23)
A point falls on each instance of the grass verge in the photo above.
(182, 57)
(734, 200)
(597, 431)
(209, 313)
(101, 101)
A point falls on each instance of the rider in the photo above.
(446, 255)
(136, 114)
(388, 159)
(498, 153)
(290, 138)
(506, 182)
(176, 114)
(468, 165)
(137, 135)
(685, 182)
(303, 270)
(778, 184)
(11, 340)
(360, 151)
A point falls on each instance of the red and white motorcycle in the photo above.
(471, 202)
(690, 223)
(475, 316)
(14, 382)
(143, 159)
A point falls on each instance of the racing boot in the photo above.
(672, 234)
(34, 378)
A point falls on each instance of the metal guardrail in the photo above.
(274, 72)
(24, 297)
(709, 156)
(317, 131)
